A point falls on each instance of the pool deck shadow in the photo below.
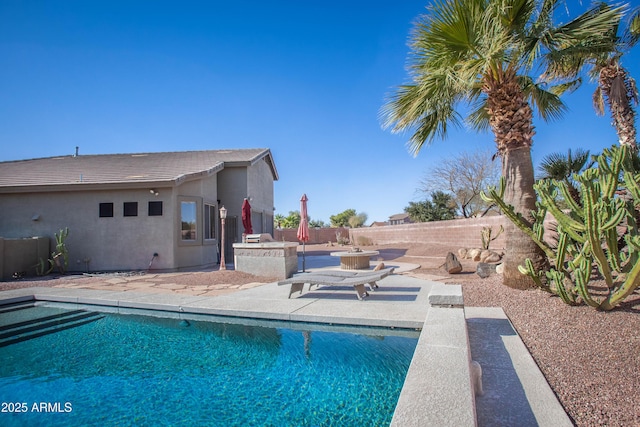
(438, 390)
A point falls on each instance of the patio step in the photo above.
(41, 326)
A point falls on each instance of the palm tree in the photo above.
(616, 88)
(561, 168)
(482, 53)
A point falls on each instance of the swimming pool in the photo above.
(115, 369)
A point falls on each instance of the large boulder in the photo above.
(490, 256)
(452, 265)
(474, 254)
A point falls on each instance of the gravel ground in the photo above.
(591, 359)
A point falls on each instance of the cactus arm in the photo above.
(538, 222)
(570, 225)
(632, 182)
(558, 279)
(582, 279)
(495, 196)
(616, 211)
(561, 251)
(609, 171)
(629, 286)
(634, 249)
(592, 218)
(530, 271)
(573, 205)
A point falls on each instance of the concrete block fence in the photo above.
(455, 233)
(316, 235)
(463, 233)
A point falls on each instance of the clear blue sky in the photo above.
(305, 79)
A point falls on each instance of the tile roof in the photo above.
(167, 167)
(399, 216)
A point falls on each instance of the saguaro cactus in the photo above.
(589, 233)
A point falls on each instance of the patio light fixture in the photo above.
(223, 216)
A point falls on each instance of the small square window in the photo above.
(106, 210)
(155, 208)
(130, 209)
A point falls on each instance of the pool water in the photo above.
(114, 369)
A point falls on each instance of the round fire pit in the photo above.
(359, 260)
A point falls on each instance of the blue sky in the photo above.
(305, 79)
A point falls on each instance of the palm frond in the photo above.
(478, 117)
(549, 105)
(598, 101)
(431, 126)
(566, 87)
(598, 24)
(631, 35)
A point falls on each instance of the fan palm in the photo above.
(616, 88)
(561, 168)
(482, 53)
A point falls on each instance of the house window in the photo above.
(106, 210)
(209, 222)
(188, 220)
(130, 209)
(155, 208)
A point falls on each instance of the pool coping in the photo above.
(438, 389)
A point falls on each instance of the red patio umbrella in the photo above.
(303, 228)
(246, 217)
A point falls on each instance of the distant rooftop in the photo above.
(167, 167)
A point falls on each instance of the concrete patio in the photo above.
(438, 390)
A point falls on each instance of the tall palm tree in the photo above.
(482, 53)
(616, 88)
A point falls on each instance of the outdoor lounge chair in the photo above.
(338, 278)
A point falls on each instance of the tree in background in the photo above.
(486, 54)
(342, 219)
(464, 176)
(441, 207)
(357, 220)
(316, 223)
(291, 221)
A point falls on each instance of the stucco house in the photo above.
(402, 218)
(121, 209)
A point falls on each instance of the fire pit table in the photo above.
(355, 260)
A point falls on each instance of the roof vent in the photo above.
(77, 148)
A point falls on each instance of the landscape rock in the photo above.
(485, 270)
(492, 257)
(474, 254)
(499, 268)
(379, 267)
(484, 255)
(452, 265)
(462, 253)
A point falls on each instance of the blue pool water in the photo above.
(140, 370)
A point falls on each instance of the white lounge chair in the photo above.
(338, 278)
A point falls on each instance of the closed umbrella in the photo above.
(246, 217)
(303, 228)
